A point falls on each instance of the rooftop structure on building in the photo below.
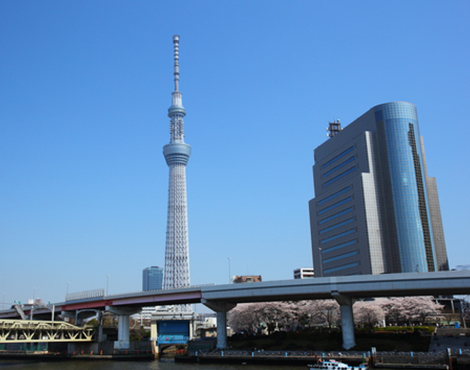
(333, 128)
(376, 210)
(304, 273)
(247, 279)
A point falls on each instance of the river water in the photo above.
(129, 365)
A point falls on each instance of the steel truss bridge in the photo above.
(26, 331)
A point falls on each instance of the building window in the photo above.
(342, 191)
(341, 175)
(342, 154)
(335, 226)
(346, 255)
(332, 217)
(339, 246)
(339, 268)
(337, 236)
(334, 169)
(345, 200)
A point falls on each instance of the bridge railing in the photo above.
(158, 290)
(95, 293)
(98, 293)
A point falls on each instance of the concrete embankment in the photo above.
(261, 359)
(410, 366)
(388, 360)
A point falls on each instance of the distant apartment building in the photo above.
(152, 278)
(247, 279)
(375, 209)
(304, 273)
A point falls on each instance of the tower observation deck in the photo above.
(177, 152)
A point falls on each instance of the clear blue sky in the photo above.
(84, 92)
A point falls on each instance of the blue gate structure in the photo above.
(173, 332)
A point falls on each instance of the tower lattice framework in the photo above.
(177, 152)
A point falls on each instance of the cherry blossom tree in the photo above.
(328, 312)
(274, 315)
(421, 308)
(408, 310)
(252, 317)
(394, 310)
(308, 314)
(244, 318)
(368, 313)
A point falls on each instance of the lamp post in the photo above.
(107, 285)
(3, 301)
(32, 306)
(67, 289)
(321, 261)
(229, 273)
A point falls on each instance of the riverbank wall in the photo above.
(382, 360)
(291, 358)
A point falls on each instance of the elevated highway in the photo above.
(359, 286)
(221, 298)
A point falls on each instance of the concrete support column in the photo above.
(222, 329)
(347, 326)
(101, 336)
(347, 319)
(154, 336)
(123, 313)
(78, 319)
(123, 332)
(221, 308)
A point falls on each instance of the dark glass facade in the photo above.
(152, 278)
(409, 224)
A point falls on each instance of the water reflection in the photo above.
(165, 364)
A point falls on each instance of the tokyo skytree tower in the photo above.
(177, 152)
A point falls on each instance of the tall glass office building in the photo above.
(375, 208)
(152, 278)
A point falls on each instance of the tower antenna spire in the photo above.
(176, 73)
(177, 153)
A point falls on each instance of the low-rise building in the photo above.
(304, 273)
(247, 279)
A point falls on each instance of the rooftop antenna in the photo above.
(176, 73)
(333, 128)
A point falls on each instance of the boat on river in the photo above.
(335, 365)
